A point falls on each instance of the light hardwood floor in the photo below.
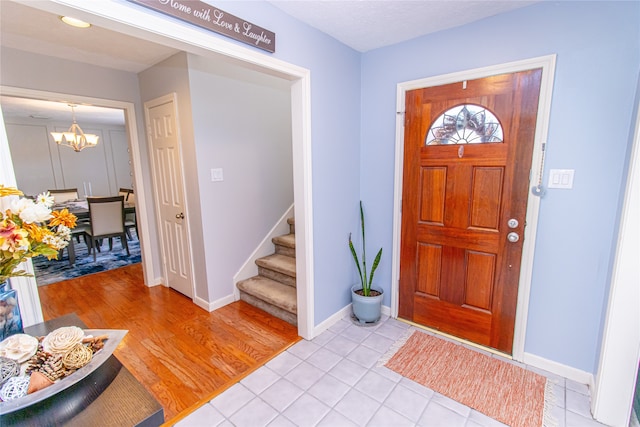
(181, 353)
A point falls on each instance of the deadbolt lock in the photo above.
(512, 223)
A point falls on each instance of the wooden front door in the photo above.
(467, 160)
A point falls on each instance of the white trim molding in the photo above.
(27, 288)
(214, 305)
(332, 320)
(547, 64)
(620, 351)
(303, 202)
(341, 314)
(560, 369)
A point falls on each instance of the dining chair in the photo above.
(64, 195)
(107, 221)
(130, 220)
(125, 192)
(131, 199)
(79, 231)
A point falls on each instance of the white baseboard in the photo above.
(386, 311)
(155, 282)
(222, 302)
(204, 304)
(337, 316)
(331, 320)
(214, 305)
(565, 371)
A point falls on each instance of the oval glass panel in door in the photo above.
(465, 124)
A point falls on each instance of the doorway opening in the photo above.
(140, 23)
(40, 165)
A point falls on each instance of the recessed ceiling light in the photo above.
(74, 22)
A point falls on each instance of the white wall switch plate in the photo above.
(561, 178)
(216, 175)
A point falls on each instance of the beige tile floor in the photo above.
(334, 381)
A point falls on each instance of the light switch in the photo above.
(216, 175)
(561, 178)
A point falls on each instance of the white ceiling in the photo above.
(370, 24)
(38, 109)
(361, 24)
(33, 30)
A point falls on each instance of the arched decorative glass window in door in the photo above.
(465, 124)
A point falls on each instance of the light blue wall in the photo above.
(597, 46)
(241, 124)
(335, 133)
(353, 128)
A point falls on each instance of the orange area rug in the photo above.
(501, 390)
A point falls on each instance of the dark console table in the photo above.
(109, 396)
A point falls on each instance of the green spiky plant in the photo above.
(365, 280)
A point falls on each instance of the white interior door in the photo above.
(164, 139)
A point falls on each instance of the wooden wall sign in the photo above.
(211, 18)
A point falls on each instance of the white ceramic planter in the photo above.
(366, 309)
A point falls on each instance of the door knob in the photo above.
(512, 223)
(180, 216)
(513, 237)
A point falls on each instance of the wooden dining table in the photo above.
(80, 208)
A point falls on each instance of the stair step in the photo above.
(285, 245)
(271, 296)
(288, 240)
(274, 289)
(277, 267)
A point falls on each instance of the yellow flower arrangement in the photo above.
(29, 229)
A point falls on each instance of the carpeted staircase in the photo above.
(274, 288)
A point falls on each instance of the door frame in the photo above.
(547, 63)
(613, 391)
(131, 131)
(148, 105)
(155, 27)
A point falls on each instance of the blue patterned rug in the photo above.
(53, 271)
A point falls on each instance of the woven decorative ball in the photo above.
(77, 357)
(8, 368)
(14, 388)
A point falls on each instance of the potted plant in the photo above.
(366, 301)
(28, 229)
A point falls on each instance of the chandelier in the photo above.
(75, 138)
